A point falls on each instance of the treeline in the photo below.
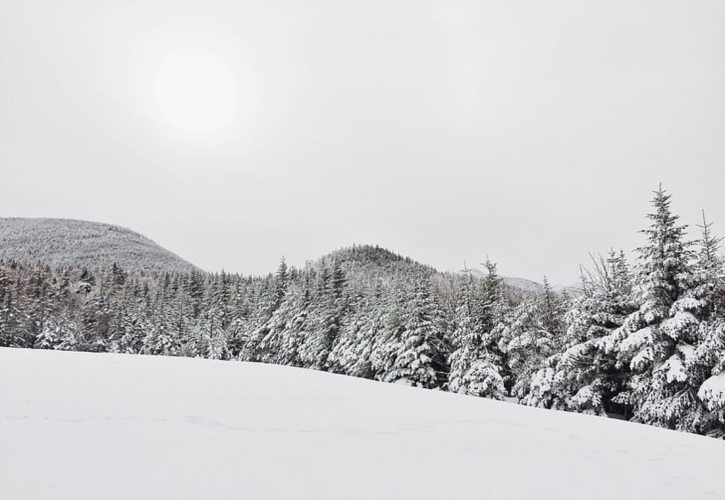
(642, 340)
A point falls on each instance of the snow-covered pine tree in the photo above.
(195, 290)
(585, 377)
(271, 296)
(161, 337)
(335, 313)
(240, 311)
(387, 343)
(659, 339)
(134, 328)
(8, 312)
(709, 359)
(326, 317)
(276, 329)
(532, 333)
(474, 363)
(38, 300)
(422, 352)
(280, 283)
(61, 334)
(214, 320)
(49, 337)
(710, 356)
(353, 353)
(296, 325)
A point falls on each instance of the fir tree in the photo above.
(709, 358)
(532, 334)
(420, 360)
(474, 364)
(585, 377)
(658, 340)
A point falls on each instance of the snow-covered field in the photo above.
(81, 426)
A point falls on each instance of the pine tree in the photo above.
(709, 357)
(118, 275)
(474, 364)
(160, 338)
(8, 314)
(326, 317)
(268, 300)
(135, 327)
(385, 345)
(585, 377)
(280, 284)
(296, 330)
(658, 340)
(420, 360)
(61, 334)
(532, 333)
(352, 353)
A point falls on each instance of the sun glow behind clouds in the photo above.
(196, 92)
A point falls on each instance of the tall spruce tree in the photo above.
(475, 363)
(584, 376)
(532, 333)
(658, 340)
(709, 358)
(422, 349)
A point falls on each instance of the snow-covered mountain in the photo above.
(80, 426)
(373, 259)
(522, 284)
(77, 243)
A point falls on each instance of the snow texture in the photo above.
(79, 426)
(712, 392)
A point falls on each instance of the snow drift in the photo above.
(86, 426)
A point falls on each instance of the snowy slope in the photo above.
(77, 243)
(81, 426)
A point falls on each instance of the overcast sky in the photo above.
(529, 131)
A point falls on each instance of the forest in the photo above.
(641, 340)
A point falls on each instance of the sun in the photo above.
(196, 92)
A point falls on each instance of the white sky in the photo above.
(531, 132)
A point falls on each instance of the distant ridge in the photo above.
(525, 285)
(77, 244)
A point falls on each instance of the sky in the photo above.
(236, 132)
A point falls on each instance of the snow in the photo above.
(81, 426)
(687, 351)
(680, 322)
(674, 369)
(637, 339)
(712, 392)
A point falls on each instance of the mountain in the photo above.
(186, 428)
(525, 285)
(372, 259)
(77, 244)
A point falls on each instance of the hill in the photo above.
(77, 244)
(372, 259)
(524, 285)
(189, 428)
